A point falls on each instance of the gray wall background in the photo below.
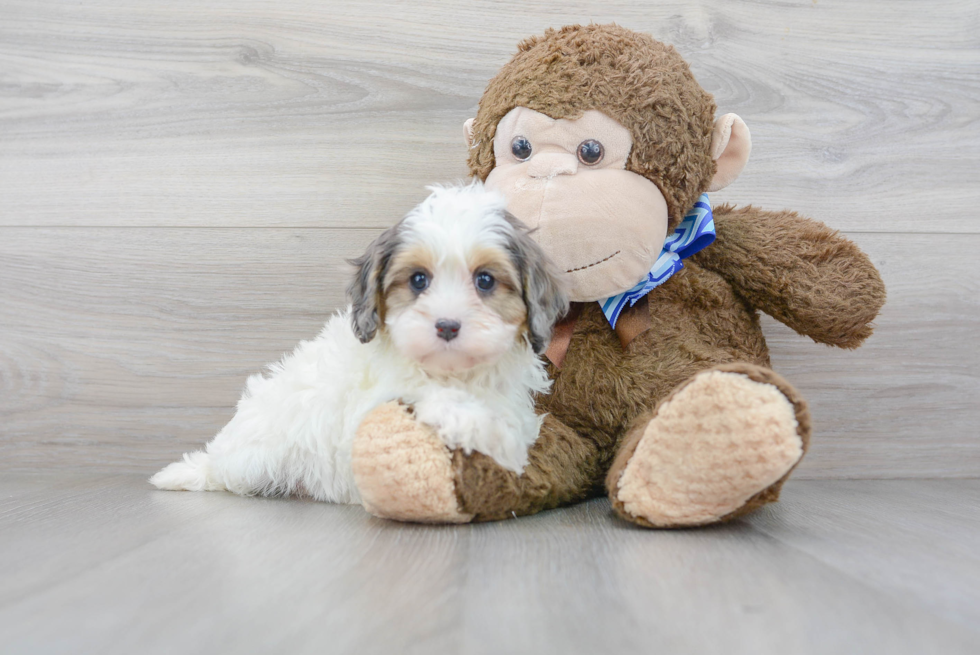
(180, 183)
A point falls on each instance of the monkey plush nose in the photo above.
(447, 329)
(550, 164)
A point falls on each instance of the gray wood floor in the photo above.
(105, 564)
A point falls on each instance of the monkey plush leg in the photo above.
(563, 468)
(404, 472)
(719, 446)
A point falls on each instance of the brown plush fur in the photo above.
(832, 292)
(704, 317)
(642, 83)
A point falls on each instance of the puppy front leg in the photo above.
(468, 423)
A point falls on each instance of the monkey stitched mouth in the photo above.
(582, 268)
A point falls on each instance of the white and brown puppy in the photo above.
(450, 309)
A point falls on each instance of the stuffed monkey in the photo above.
(603, 142)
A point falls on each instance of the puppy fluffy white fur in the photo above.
(450, 309)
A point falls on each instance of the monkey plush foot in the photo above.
(718, 447)
(402, 470)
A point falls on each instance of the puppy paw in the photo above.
(719, 446)
(455, 416)
(402, 469)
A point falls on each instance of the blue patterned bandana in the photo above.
(696, 232)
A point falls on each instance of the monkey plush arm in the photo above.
(798, 271)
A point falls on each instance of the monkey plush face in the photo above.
(601, 139)
(567, 180)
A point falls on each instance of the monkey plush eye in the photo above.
(590, 152)
(484, 281)
(419, 282)
(521, 148)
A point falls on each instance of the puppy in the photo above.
(450, 309)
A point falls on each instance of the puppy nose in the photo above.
(550, 164)
(447, 329)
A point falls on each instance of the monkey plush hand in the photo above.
(601, 139)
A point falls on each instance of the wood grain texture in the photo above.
(180, 183)
(306, 113)
(923, 536)
(123, 348)
(110, 565)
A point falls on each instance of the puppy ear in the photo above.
(544, 291)
(365, 291)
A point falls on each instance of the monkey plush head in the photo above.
(602, 140)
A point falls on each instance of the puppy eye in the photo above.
(419, 282)
(590, 152)
(521, 148)
(485, 281)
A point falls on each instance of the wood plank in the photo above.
(915, 539)
(323, 113)
(132, 569)
(122, 348)
(40, 516)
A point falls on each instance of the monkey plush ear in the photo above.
(731, 144)
(468, 131)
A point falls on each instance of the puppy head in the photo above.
(457, 283)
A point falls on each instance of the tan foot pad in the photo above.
(712, 446)
(402, 470)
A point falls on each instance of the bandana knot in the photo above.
(696, 232)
